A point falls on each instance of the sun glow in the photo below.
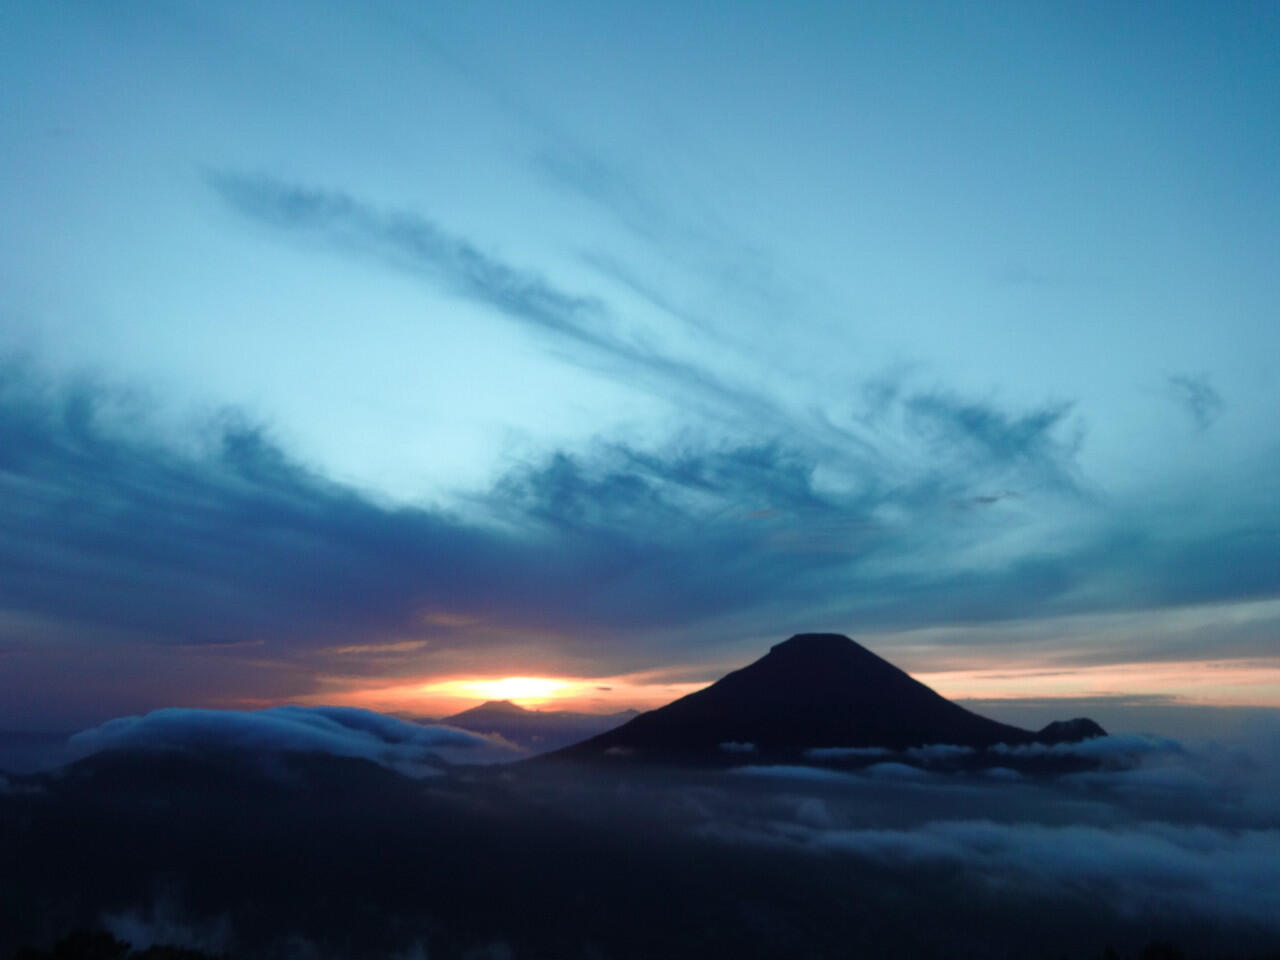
(441, 697)
(525, 689)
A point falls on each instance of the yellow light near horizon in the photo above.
(526, 689)
(520, 688)
(446, 696)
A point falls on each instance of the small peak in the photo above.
(1070, 731)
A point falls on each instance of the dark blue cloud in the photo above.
(116, 528)
(234, 541)
(1197, 396)
(984, 433)
(112, 529)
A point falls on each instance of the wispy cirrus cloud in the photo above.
(991, 436)
(415, 244)
(1036, 446)
(410, 243)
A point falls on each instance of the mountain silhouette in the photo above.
(536, 731)
(813, 690)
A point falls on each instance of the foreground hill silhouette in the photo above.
(813, 690)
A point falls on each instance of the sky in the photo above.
(373, 354)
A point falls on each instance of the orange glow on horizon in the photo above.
(440, 697)
(1239, 682)
(1252, 682)
(521, 690)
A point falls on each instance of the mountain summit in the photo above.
(813, 690)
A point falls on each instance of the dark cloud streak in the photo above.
(991, 436)
(1203, 404)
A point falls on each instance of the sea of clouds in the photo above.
(1156, 826)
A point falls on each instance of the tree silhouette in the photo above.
(100, 945)
(80, 945)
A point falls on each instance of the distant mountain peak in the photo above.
(534, 730)
(506, 706)
(489, 711)
(1070, 731)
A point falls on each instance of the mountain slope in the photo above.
(813, 690)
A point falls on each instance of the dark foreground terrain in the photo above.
(305, 855)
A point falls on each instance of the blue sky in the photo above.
(594, 340)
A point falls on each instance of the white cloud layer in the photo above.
(407, 747)
(1115, 748)
(1157, 828)
(845, 753)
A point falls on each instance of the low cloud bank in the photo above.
(845, 753)
(1113, 750)
(1122, 748)
(406, 747)
(897, 771)
(793, 772)
(934, 752)
(889, 770)
(1157, 828)
(1232, 784)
